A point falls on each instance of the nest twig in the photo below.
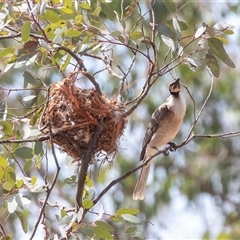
(73, 113)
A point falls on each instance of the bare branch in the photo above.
(49, 190)
(201, 110)
(85, 160)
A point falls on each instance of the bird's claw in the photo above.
(165, 152)
(172, 146)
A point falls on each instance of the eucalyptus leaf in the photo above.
(24, 152)
(217, 47)
(25, 31)
(135, 35)
(170, 43)
(131, 211)
(6, 51)
(165, 30)
(200, 31)
(104, 225)
(87, 203)
(7, 186)
(131, 218)
(12, 204)
(29, 98)
(170, 5)
(38, 148)
(212, 64)
(100, 232)
(177, 28)
(23, 219)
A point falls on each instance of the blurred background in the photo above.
(194, 193)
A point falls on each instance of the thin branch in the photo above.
(114, 182)
(49, 190)
(36, 22)
(39, 139)
(201, 110)
(194, 104)
(85, 160)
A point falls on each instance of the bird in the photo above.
(162, 128)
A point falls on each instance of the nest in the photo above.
(73, 114)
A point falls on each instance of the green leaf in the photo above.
(170, 43)
(29, 99)
(23, 219)
(131, 218)
(131, 211)
(3, 162)
(6, 51)
(97, 11)
(8, 186)
(130, 230)
(100, 232)
(229, 32)
(212, 63)
(27, 165)
(104, 225)
(33, 180)
(108, 11)
(29, 78)
(87, 203)
(19, 183)
(38, 148)
(170, 5)
(6, 128)
(10, 175)
(73, 33)
(222, 39)
(51, 16)
(116, 33)
(135, 35)
(12, 204)
(24, 152)
(217, 47)
(25, 32)
(85, 6)
(165, 30)
(177, 28)
(200, 31)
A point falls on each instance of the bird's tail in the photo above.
(140, 187)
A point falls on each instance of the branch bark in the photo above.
(86, 159)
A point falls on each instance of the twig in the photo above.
(39, 139)
(201, 110)
(85, 160)
(194, 104)
(114, 182)
(49, 190)
(36, 22)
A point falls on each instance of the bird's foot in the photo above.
(163, 151)
(172, 146)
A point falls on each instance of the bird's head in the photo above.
(174, 87)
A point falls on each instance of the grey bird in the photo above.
(163, 126)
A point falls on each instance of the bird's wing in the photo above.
(153, 125)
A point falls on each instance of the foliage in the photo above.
(103, 43)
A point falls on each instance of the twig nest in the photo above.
(72, 114)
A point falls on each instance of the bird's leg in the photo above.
(163, 151)
(172, 146)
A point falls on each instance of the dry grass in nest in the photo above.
(73, 114)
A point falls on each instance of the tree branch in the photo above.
(85, 160)
(49, 190)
